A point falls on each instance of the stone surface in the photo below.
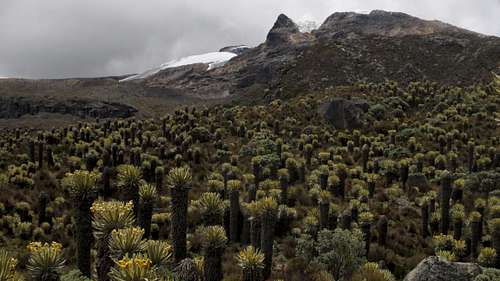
(346, 114)
(437, 269)
(281, 31)
(417, 180)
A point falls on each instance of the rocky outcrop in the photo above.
(437, 269)
(382, 23)
(347, 48)
(282, 30)
(346, 113)
(238, 49)
(15, 107)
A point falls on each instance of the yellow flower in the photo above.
(142, 262)
(56, 246)
(34, 247)
(123, 263)
(13, 263)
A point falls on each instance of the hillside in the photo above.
(281, 189)
(347, 48)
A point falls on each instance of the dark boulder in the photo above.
(346, 113)
(417, 180)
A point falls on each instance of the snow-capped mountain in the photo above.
(213, 60)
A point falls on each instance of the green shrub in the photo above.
(340, 252)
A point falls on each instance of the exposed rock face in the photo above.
(418, 180)
(239, 49)
(436, 269)
(282, 30)
(383, 23)
(347, 48)
(15, 107)
(346, 114)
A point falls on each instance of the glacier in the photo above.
(213, 59)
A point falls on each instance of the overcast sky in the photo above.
(69, 38)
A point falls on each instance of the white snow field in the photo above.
(214, 60)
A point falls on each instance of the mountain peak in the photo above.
(283, 21)
(281, 31)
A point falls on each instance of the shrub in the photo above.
(340, 252)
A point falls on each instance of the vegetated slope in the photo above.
(417, 178)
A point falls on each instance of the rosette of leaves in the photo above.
(443, 242)
(45, 261)
(179, 182)
(487, 257)
(251, 261)
(212, 207)
(111, 215)
(136, 268)
(214, 242)
(82, 186)
(159, 252)
(129, 180)
(126, 241)
(372, 271)
(148, 196)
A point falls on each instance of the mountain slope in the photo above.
(346, 48)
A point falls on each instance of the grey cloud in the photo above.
(82, 38)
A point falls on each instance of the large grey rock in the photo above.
(417, 180)
(346, 114)
(437, 269)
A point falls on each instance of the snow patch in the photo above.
(214, 60)
(307, 25)
(364, 12)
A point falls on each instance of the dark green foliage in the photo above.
(340, 252)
